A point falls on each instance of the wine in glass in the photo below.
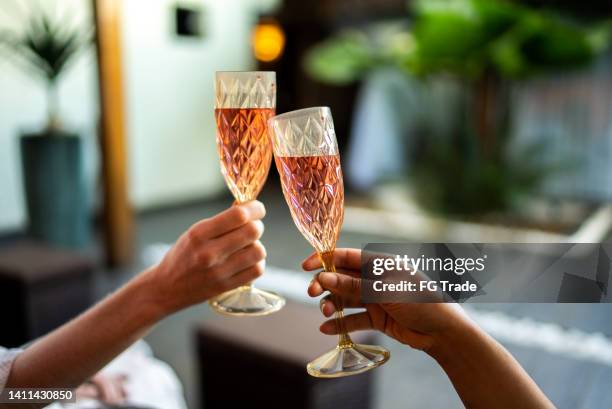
(244, 103)
(306, 155)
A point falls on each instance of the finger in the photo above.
(341, 284)
(238, 261)
(312, 262)
(328, 307)
(354, 322)
(87, 391)
(116, 395)
(314, 287)
(106, 391)
(229, 220)
(349, 259)
(120, 380)
(243, 277)
(235, 240)
(346, 302)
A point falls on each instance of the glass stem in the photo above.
(344, 340)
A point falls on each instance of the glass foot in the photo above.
(348, 360)
(247, 301)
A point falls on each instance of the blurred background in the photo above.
(458, 120)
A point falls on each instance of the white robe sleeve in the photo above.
(7, 356)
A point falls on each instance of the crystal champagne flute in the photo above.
(244, 103)
(306, 155)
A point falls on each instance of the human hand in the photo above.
(106, 389)
(215, 255)
(422, 326)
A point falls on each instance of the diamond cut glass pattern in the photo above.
(244, 101)
(313, 188)
(244, 149)
(304, 134)
(248, 89)
(307, 158)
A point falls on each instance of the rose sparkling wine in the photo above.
(313, 188)
(308, 161)
(244, 102)
(244, 149)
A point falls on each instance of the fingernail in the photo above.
(260, 204)
(328, 280)
(327, 309)
(255, 206)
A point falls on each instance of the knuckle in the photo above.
(354, 284)
(192, 234)
(206, 258)
(216, 274)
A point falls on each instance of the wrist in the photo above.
(151, 299)
(455, 342)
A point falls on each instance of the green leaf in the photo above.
(340, 60)
(449, 42)
(557, 44)
(464, 38)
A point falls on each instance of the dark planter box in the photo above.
(267, 356)
(55, 188)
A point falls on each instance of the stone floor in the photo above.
(411, 379)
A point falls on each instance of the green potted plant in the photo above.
(484, 46)
(51, 158)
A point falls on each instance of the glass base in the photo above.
(247, 301)
(348, 360)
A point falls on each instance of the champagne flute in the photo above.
(306, 155)
(244, 103)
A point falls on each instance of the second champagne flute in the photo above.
(245, 100)
(306, 154)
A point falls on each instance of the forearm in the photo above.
(71, 354)
(213, 256)
(484, 374)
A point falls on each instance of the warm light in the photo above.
(268, 41)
